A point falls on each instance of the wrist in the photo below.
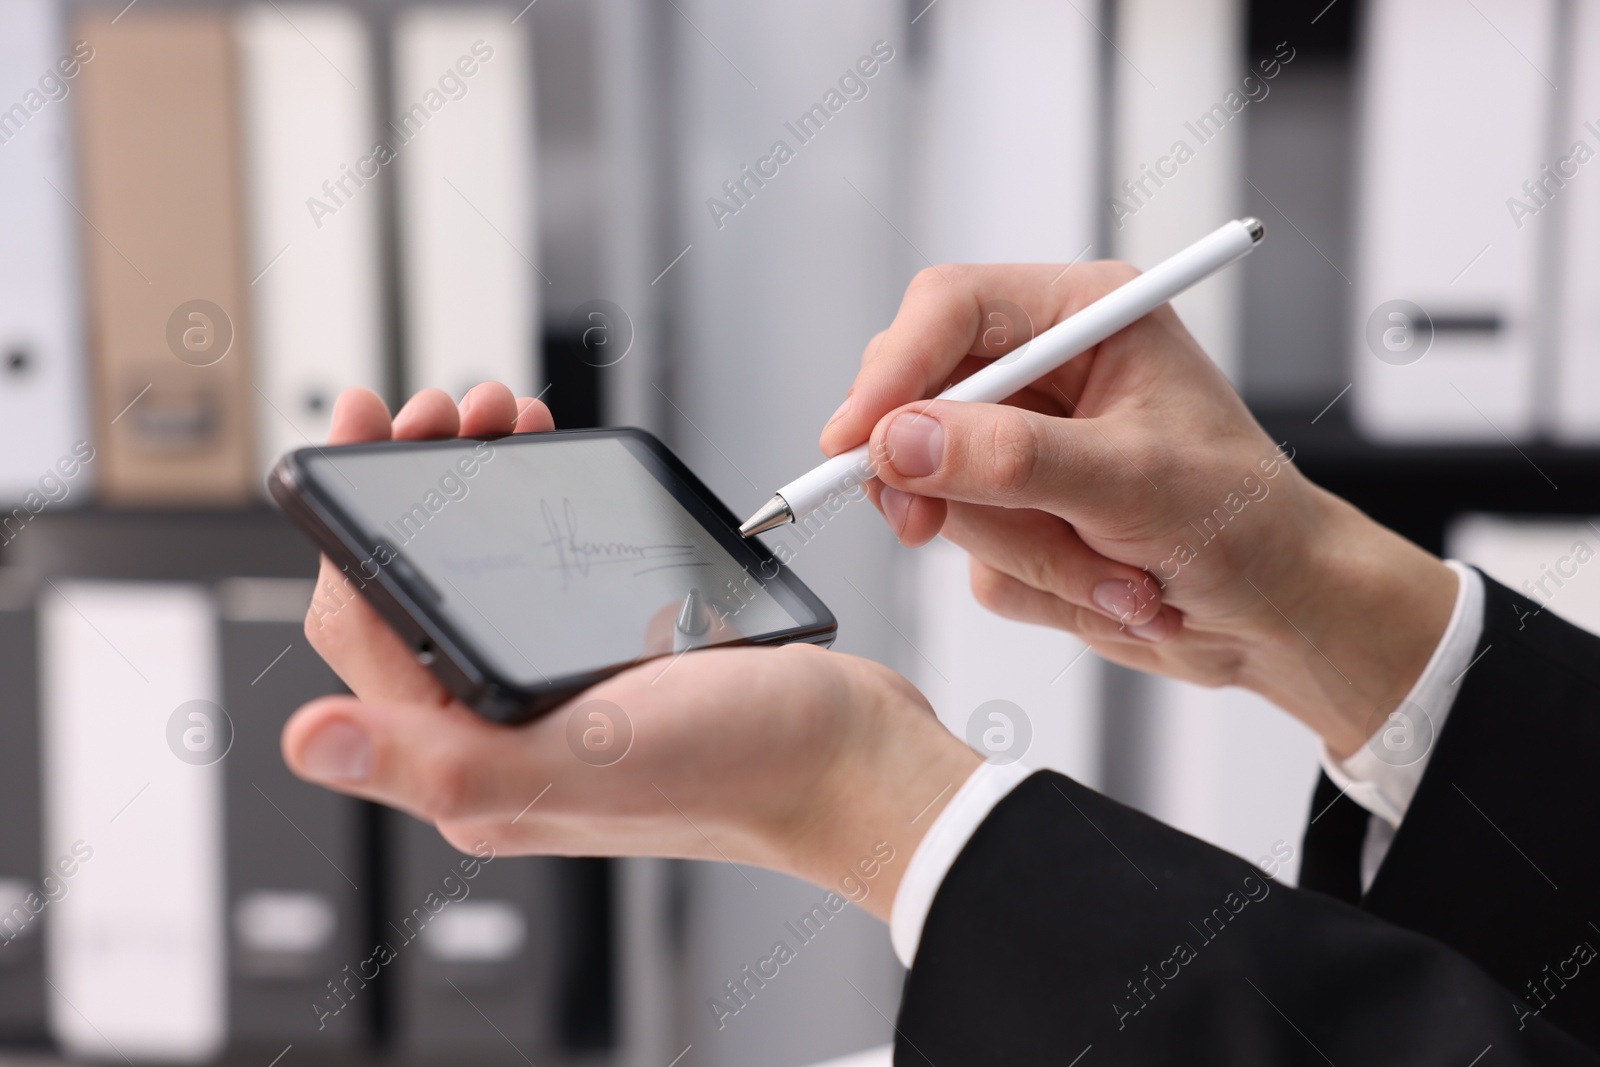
(1359, 620)
(896, 770)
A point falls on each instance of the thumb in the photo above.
(994, 454)
(436, 763)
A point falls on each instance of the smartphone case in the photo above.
(404, 600)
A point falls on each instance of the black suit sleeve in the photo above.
(1074, 931)
(1497, 856)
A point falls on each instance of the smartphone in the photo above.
(524, 569)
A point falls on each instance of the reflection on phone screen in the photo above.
(554, 559)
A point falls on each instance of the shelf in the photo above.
(162, 545)
(1418, 489)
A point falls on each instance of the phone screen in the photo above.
(555, 556)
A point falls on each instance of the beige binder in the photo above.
(159, 192)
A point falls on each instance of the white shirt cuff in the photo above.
(949, 834)
(1374, 777)
(1382, 776)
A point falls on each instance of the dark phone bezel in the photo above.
(404, 600)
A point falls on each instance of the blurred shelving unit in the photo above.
(639, 114)
(251, 573)
(1180, 751)
(1302, 327)
(1419, 490)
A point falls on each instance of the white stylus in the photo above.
(1026, 365)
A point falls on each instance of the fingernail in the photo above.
(1116, 598)
(466, 404)
(896, 506)
(339, 752)
(1153, 631)
(916, 445)
(839, 414)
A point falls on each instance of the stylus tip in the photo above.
(1256, 229)
(694, 618)
(772, 514)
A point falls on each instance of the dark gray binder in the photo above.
(473, 981)
(297, 868)
(22, 1006)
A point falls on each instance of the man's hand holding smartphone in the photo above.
(788, 757)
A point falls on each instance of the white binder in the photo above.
(1050, 678)
(42, 363)
(1455, 107)
(1575, 398)
(1044, 206)
(461, 129)
(306, 89)
(1555, 563)
(1231, 769)
(1179, 73)
(135, 958)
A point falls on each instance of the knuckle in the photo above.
(1087, 623)
(313, 627)
(1053, 573)
(994, 589)
(446, 785)
(931, 276)
(463, 836)
(1118, 272)
(1096, 280)
(322, 630)
(988, 586)
(871, 351)
(1013, 455)
(327, 624)
(1109, 274)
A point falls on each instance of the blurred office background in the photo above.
(218, 215)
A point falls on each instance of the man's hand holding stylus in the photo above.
(1131, 498)
(792, 758)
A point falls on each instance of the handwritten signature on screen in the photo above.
(577, 556)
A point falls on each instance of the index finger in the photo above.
(359, 415)
(941, 322)
(344, 629)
